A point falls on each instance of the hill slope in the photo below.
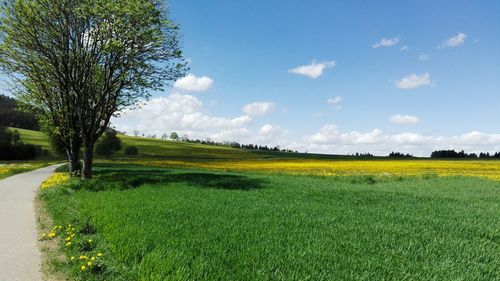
(157, 149)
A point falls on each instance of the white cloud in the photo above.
(271, 133)
(384, 42)
(454, 41)
(182, 113)
(330, 139)
(413, 81)
(423, 56)
(404, 49)
(335, 102)
(313, 70)
(192, 83)
(258, 108)
(404, 119)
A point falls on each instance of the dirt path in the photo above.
(19, 254)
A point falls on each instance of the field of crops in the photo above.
(181, 211)
(183, 224)
(160, 153)
(484, 169)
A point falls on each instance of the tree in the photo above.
(98, 57)
(136, 133)
(57, 119)
(131, 151)
(174, 136)
(108, 144)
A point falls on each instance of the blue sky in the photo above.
(376, 76)
(412, 76)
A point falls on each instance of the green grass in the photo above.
(33, 137)
(175, 224)
(10, 168)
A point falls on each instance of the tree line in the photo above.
(11, 116)
(463, 155)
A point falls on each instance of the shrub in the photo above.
(108, 144)
(131, 151)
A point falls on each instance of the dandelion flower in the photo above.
(99, 254)
(83, 268)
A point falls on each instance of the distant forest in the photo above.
(10, 116)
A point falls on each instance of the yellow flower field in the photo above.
(55, 179)
(477, 168)
(8, 169)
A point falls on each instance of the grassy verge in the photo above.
(11, 168)
(186, 224)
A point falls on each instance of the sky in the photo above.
(334, 76)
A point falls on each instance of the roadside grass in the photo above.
(10, 168)
(190, 224)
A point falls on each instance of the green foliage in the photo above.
(176, 224)
(131, 151)
(108, 144)
(78, 63)
(11, 116)
(174, 136)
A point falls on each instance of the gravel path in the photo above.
(19, 254)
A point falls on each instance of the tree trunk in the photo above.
(88, 156)
(73, 153)
(73, 163)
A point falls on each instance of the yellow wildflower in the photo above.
(53, 180)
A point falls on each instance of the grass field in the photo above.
(9, 168)
(181, 211)
(182, 224)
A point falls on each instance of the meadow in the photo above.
(184, 224)
(172, 154)
(181, 211)
(10, 168)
